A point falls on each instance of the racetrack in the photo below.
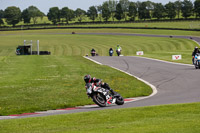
(175, 83)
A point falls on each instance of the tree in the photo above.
(197, 8)
(67, 13)
(12, 15)
(158, 11)
(132, 11)
(26, 16)
(92, 13)
(112, 7)
(79, 13)
(1, 22)
(150, 7)
(170, 10)
(105, 11)
(178, 5)
(186, 8)
(125, 6)
(54, 15)
(1, 17)
(143, 12)
(138, 3)
(99, 9)
(119, 12)
(1, 14)
(34, 13)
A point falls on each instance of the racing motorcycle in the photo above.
(111, 52)
(93, 53)
(118, 51)
(103, 97)
(197, 61)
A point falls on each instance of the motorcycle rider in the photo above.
(93, 52)
(97, 82)
(110, 51)
(118, 49)
(196, 50)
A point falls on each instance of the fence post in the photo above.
(38, 52)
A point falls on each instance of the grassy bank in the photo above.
(184, 24)
(174, 24)
(78, 30)
(182, 118)
(79, 45)
(33, 83)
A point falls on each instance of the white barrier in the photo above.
(139, 53)
(176, 57)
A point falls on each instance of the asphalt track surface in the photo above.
(175, 83)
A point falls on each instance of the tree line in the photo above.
(111, 9)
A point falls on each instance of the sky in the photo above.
(44, 5)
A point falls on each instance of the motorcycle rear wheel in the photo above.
(99, 99)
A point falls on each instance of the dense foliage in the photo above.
(12, 15)
(110, 9)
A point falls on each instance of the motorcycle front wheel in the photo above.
(119, 100)
(99, 99)
(197, 65)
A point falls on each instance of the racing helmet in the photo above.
(87, 78)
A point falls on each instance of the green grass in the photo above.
(177, 24)
(79, 45)
(157, 24)
(51, 82)
(33, 83)
(180, 118)
(78, 30)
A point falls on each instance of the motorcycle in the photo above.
(111, 52)
(103, 97)
(93, 53)
(197, 61)
(118, 51)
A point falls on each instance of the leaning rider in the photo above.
(196, 50)
(97, 82)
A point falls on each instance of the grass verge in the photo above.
(180, 118)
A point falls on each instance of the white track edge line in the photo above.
(92, 60)
(175, 63)
(149, 84)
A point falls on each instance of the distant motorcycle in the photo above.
(197, 61)
(93, 53)
(103, 97)
(118, 51)
(111, 52)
